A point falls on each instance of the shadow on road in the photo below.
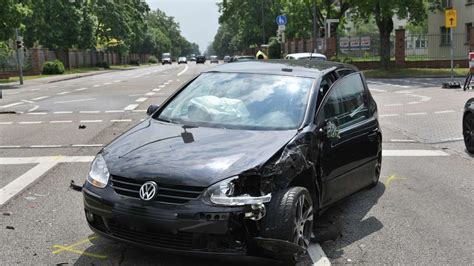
(346, 221)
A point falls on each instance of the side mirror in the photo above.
(330, 129)
(152, 109)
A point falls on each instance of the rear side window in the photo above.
(346, 102)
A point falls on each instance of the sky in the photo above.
(198, 19)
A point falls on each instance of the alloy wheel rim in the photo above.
(303, 222)
(378, 165)
(469, 132)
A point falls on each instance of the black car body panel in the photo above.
(185, 161)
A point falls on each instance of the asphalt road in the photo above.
(421, 212)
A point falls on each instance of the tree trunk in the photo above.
(385, 25)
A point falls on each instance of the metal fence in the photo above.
(435, 46)
(8, 60)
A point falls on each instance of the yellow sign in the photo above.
(451, 18)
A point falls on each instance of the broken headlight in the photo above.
(233, 192)
(99, 174)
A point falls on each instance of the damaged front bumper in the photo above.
(193, 227)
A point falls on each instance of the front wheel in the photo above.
(290, 217)
(468, 132)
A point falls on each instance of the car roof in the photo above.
(300, 68)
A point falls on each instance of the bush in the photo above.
(152, 59)
(335, 59)
(103, 64)
(274, 48)
(135, 62)
(53, 67)
(347, 60)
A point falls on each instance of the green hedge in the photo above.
(53, 67)
(103, 64)
(152, 59)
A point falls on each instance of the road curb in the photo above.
(318, 256)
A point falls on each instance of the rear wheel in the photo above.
(290, 217)
(378, 167)
(468, 132)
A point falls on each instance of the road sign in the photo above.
(281, 20)
(451, 18)
(281, 27)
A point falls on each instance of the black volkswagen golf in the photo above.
(240, 159)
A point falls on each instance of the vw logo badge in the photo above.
(148, 190)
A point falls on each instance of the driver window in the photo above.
(346, 102)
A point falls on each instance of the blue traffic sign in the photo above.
(281, 20)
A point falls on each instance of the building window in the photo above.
(468, 31)
(469, 2)
(445, 40)
(447, 3)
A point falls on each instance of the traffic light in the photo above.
(19, 44)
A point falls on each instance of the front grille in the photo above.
(166, 193)
(181, 240)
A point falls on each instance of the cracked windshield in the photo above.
(236, 132)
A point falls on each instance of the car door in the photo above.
(345, 161)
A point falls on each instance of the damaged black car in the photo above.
(240, 160)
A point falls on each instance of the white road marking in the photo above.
(393, 104)
(402, 140)
(413, 153)
(420, 113)
(91, 121)
(317, 255)
(140, 100)
(422, 98)
(45, 146)
(107, 83)
(143, 119)
(184, 70)
(121, 120)
(377, 90)
(64, 92)
(115, 111)
(37, 113)
(130, 107)
(139, 111)
(96, 85)
(117, 81)
(87, 145)
(89, 112)
(81, 89)
(452, 139)
(30, 122)
(26, 101)
(63, 112)
(6, 123)
(445, 112)
(156, 90)
(10, 146)
(60, 121)
(169, 81)
(149, 93)
(403, 92)
(162, 86)
(413, 102)
(34, 108)
(11, 105)
(40, 98)
(78, 100)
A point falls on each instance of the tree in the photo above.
(383, 11)
(12, 14)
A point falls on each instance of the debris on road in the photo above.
(75, 187)
(7, 213)
(82, 126)
(10, 227)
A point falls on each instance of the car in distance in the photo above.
(200, 59)
(468, 125)
(242, 157)
(214, 59)
(182, 59)
(306, 56)
(227, 59)
(192, 58)
(243, 58)
(166, 58)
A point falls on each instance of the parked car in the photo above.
(306, 56)
(200, 59)
(166, 58)
(224, 166)
(214, 59)
(182, 59)
(468, 125)
(192, 58)
(241, 58)
(227, 59)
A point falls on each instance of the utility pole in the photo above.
(19, 45)
(315, 28)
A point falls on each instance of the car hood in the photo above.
(199, 156)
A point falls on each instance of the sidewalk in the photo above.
(57, 78)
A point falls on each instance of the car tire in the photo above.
(468, 132)
(378, 167)
(290, 216)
